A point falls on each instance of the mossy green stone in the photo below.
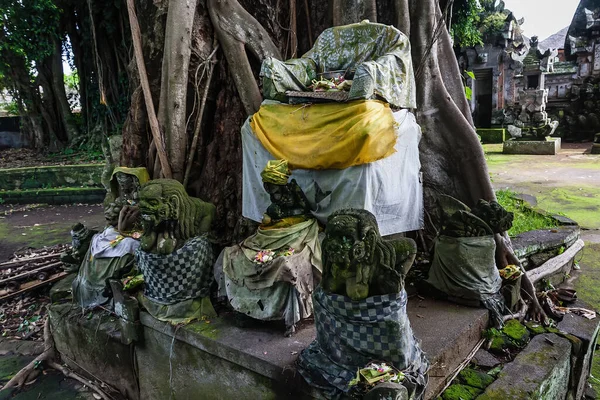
(535, 328)
(461, 392)
(475, 378)
(516, 332)
(499, 343)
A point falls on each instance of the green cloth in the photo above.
(239, 266)
(465, 269)
(91, 283)
(279, 289)
(183, 312)
(380, 54)
(141, 173)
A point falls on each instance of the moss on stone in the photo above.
(516, 331)
(10, 365)
(474, 378)
(580, 203)
(535, 328)
(461, 392)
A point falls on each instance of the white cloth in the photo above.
(389, 188)
(101, 246)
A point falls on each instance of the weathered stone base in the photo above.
(221, 360)
(90, 343)
(536, 147)
(541, 371)
(595, 148)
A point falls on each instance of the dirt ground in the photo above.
(42, 225)
(17, 158)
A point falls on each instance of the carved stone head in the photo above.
(170, 217)
(349, 246)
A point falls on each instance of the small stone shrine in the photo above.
(360, 309)
(175, 255)
(271, 274)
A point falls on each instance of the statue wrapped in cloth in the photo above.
(271, 274)
(175, 257)
(110, 253)
(464, 264)
(360, 308)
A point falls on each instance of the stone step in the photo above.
(447, 332)
(51, 176)
(540, 371)
(66, 195)
(538, 241)
(224, 361)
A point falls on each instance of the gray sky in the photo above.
(543, 17)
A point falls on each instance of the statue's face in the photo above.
(280, 195)
(344, 250)
(112, 208)
(128, 187)
(153, 207)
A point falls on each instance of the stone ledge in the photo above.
(268, 353)
(51, 176)
(541, 371)
(536, 241)
(67, 195)
(533, 147)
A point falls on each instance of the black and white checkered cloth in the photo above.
(350, 334)
(182, 275)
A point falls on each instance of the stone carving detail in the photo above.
(170, 217)
(287, 199)
(358, 262)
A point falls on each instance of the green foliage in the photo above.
(526, 219)
(72, 81)
(468, 90)
(29, 28)
(492, 25)
(477, 21)
(11, 108)
(465, 23)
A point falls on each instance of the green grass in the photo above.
(526, 219)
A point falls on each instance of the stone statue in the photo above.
(358, 262)
(287, 199)
(81, 237)
(110, 254)
(170, 217)
(175, 257)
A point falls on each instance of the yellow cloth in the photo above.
(328, 135)
(276, 172)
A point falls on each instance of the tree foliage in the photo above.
(475, 22)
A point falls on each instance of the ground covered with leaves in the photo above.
(18, 158)
(23, 314)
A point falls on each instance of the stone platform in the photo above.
(549, 147)
(223, 361)
(218, 359)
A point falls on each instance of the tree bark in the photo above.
(137, 44)
(237, 32)
(60, 95)
(351, 11)
(174, 82)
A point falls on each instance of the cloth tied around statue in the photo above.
(182, 275)
(379, 54)
(280, 288)
(110, 256)
(465, 269)
(326, 136)
(390, 188)
(350, 334)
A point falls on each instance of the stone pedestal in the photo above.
(536, 147)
